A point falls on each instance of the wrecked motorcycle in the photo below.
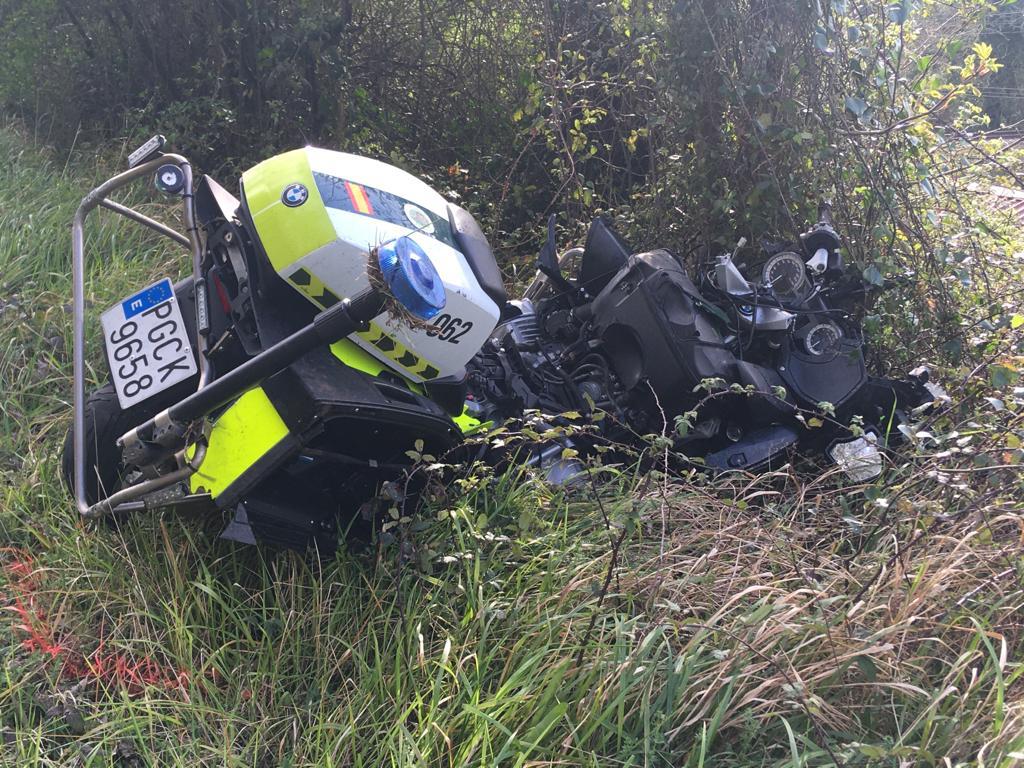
(739, 373)
(340, 312)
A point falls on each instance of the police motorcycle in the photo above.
(740, 372)
(322, 334)
(341, 314)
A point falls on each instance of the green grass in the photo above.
(771, 621)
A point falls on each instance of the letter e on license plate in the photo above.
(147, 345)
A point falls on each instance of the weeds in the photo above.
(776, 620)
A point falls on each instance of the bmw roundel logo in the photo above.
(294, 195)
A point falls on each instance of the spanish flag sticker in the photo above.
(360, 202)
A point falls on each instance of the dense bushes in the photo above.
(693, 123)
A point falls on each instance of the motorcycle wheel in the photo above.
(105, 422)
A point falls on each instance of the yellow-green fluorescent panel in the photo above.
(287, 233)
(240, 437)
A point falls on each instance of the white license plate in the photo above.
(147, 344)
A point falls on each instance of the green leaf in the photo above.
(867, 668)
(954, 348)
(714, 310)
(872, 751)
(821, 42)
(856, 105)
(873, 276)
(1001, 376)
(794, 750)
(899, 12)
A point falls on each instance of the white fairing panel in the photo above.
(370, 203)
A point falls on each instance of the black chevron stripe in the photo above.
(327, 299)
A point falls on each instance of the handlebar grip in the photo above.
(825, 213)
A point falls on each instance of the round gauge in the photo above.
(823, 339)
(786, 275)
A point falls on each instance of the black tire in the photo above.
(105, 421)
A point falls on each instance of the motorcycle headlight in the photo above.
(411, 277)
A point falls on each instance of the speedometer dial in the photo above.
(823, 339)
(786, 275)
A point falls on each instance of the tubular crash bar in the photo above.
(98, 197)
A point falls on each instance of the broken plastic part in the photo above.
(819, 261)
(729, 278)
(859, 458)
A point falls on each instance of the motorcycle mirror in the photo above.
(818, 263)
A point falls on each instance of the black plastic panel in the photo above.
(831, 379)
(474, 246)
(604, 254)
(757, 451)
(652, 331)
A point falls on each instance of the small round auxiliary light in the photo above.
(412, 277)
(170, 179)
